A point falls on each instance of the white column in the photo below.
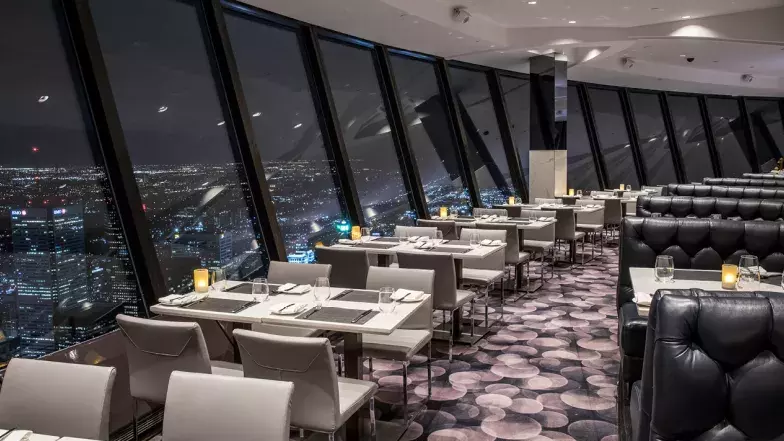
(547, 177)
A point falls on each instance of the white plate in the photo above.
(285, 309)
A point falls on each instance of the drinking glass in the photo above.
(579, 193)
(665, 269)
(365, 232)
(473, 239)
(260, 290)
(321, 291)
(385, 302)
(219, 279)
(749, 277)
(403, 238)
(628, 188)
(439, 236)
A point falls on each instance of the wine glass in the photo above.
(579, 193)
(365, 234)
(440, 236)
(748, 268)
(219, 279)
(321, 291)
(473, 239)
(385, 302)
(628, 188)
(260, 290)
(665, 269)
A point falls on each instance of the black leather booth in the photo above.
(693, 243)
(722, 191)
(713, 369)
(745, 182)
(763, 176)
(727, 208)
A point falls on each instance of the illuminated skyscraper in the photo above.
(50, 268)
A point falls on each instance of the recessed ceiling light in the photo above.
(572, 22)
(683, 55)
(459, 37)
(162, 109)
(686, 17)
(298, 125)
(222, 123)
(43, 98)
(531, 3)
(257, 114)
(492, 46)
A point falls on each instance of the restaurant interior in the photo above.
(393, 220)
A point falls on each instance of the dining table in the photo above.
(19, 434)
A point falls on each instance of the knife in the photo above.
(342, 294)
(402, 298)
(313, 311)
(280, 311)
(359, 317)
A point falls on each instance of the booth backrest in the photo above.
(727, 208)
(723, 191)
(744, 182)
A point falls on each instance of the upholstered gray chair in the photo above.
(322, 401)
(212, 407)
(542, 240)
(613, 215)
(513, 210)
(485, 271)
(566, 231)
(446, 296)
(349, 266)
(301, 274)
(478, 212)
(592, 223)
(414, 334)
(448, 229)
(540, 201)
(406, 231)
(62, 399)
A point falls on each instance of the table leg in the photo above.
(352, 354)
(457, 316)
(383, 259)
(232, 341)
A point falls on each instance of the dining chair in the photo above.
(414, 334)
(52, 398)
(212, 407)
(446, 296)
(478, 212)
(484, 272)
(349, 266)
(514, 210)
(540, 240)
(566, 231)
(448, 229)
(156, 348)
(541, 201)
(408, 231)
(301, 274)
(592, 223)
(322, 401)
(613, 216)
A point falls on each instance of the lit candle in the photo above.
(201, 280)
(511, 200)
(444, 212)
(622, 187)
(571, 192)
(729, 276)
(356, 233)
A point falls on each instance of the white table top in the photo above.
(382, 323)
(37, 437)
(476, 253)
(575, 208)
(536, 225)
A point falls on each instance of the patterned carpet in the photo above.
(547, 373)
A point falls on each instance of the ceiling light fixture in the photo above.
(686, 17)
(222, 123)
(531, 3)
(572, 22)
(43, 98)
(257, 114)
(298, 125)
(162, 109)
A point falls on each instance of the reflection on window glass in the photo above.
(366, 132)
(690, 135)
(581, 170)
(654, 143)
(64, 267)
(190, 181)
(299, 175)
(486, 153)
(613, 138)
(517, 94)
(428, 131)
(729, 137)
(768, 131)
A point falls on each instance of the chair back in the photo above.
(540, 201)
(613, 212)
(299, 273)
(406, 231)
(52, 398)
(447, 228)
(202, 407)
(349, 266)
(547, 233)
(592, 218)
(602, 193)
(495, 231)
(156, 348)
(513, 210)
(306, 362)
(566, 227)
(407, 278)
(445, 280)
(489, 212)
(582, 202)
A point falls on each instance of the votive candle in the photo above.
(356, 233)
(571, 192)
(729, 276)
(444, 212)
(201, 280)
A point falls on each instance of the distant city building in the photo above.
(210, 248)
(302, 256)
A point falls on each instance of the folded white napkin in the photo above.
(425, 245)
(496, 242)
(484, 216)
(542, 219)
(180, 299)
(348, 241)
(642, 298)
(486, 242)
(300, 289)
(285, 287)
(413, 238)
(288, 308)
(409, 295)
(18, 435)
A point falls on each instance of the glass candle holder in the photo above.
(729, 276)
(511, 200)
(356, 233)
(444, 212)
(201, 280)
(622, 187)
(571, 192)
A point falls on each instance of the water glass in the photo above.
(321, 290)
(473, 239)
(365, 234)
(385, 302)
(749, 277)
(628, 188)
(260, 290)
(439, 236)
(579, 193)
(664, 271)
(219, 279)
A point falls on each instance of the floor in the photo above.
(547, 373)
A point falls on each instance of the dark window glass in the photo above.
(486, 153)
(64, 267)
(613, 137)
(366, 132)
(729, 137)
(690, 135)
(517, 94)
(190, 180)
(765, 119)
(427, 122)
(299, 174)
(654, 142)
(581, 170)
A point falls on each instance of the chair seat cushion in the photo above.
(481, 276)
(537, 245)
(288, 331)
(352, 394)
(400, 345)
(463, 297)
(226, 368)
(590, 227)
(523, 257)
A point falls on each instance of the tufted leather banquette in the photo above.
(744, 182)
(763, 176)
(693, 243)
(723, 191)
(713, 369)
(727, 208)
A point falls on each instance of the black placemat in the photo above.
(242, 288)
(450, 250)
(221, 305)
(337, 315)
(702, 276)
(375, 245)
(361, 296)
